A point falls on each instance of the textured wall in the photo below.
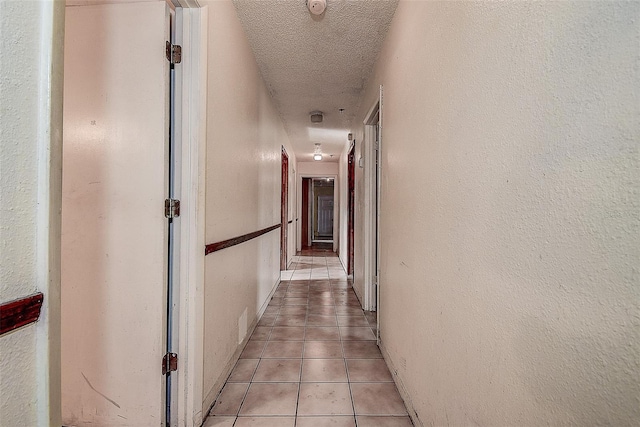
(30, 133)
(316, 62)
(19, 179)
(244, 138)
(510, 229)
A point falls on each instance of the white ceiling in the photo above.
(313, 62)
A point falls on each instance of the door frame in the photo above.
(284, 207)
(372, 198)
(190, 120)
(336, 206)
(351, 190)
(315, 225)
(304, 228)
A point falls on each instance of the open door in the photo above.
(376, 220)
(114, 232)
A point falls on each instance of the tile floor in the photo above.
(312, 361)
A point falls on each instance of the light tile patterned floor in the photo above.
(312, 361)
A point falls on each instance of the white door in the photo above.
(325, 216)
(114, 233)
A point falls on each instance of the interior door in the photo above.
(114, 232)
(325, 216)
(378, 183)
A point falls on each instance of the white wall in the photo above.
(510, 196)
(244, 139)
(317, 168)
(30, 158)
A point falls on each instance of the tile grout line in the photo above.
(334, 292)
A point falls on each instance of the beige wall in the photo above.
(30, 156)
(244, 138)
(317, 168)
(510, 211)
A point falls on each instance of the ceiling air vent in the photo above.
(316, 116)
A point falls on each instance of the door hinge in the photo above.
(174, 53)
(169, 363)
(171, 208)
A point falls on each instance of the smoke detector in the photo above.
(316, 116)
(317, 6)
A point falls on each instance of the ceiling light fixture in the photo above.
(316, 6)
(317, 154)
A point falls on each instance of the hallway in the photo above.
(486, 168)
(312, 361)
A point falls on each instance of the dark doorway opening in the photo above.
(306, 191)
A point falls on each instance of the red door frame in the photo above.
(305, 213)
(284, 209)
(351, 213)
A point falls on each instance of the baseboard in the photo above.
(214, 392)
(358, 295)
(401, 388)
(342, 263)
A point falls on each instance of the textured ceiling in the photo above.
(316, 63)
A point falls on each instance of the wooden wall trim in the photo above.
(213, 247)
(20, 312)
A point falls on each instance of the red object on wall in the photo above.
(18, 313)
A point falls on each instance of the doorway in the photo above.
(372, 183)
(318, 210)
(306, 197)
(284, 209)
(322, 196)
(351, 157)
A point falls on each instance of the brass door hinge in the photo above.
(174, 53)
(169, 363)
(171, 208)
